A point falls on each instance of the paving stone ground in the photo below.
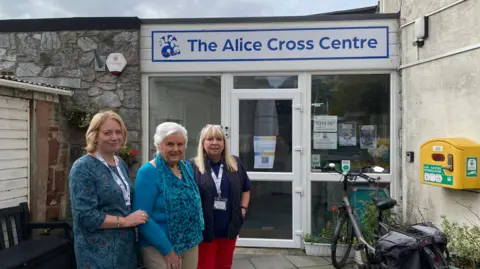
(251, 258)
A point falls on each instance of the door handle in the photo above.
(449, 166)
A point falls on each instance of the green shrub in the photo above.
(463, 243)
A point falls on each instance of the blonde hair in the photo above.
(214, 131)
(92, 132)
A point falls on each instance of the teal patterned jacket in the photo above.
(94, 193)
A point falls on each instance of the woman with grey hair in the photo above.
(167, 192)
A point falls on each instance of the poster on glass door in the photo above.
(325, 123)
(325, 140)
(347, 135)
(264, 148)
(368, 137)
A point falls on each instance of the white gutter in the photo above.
(435, 12)
(33, 87)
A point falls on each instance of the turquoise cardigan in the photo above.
(149, 197)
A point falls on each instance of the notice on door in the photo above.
(325, 140)
(347, 135)
(325, 123)
(264, 148)
(368, 137)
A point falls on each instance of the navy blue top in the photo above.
(221, 217)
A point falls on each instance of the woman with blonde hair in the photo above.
(101, 194)
(225, 192)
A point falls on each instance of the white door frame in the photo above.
(295, 176)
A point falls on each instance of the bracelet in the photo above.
(246, 209)
(118, 222)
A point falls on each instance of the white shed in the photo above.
(16, 100)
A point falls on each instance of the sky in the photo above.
(27, 9)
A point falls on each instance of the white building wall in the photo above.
(440, 98)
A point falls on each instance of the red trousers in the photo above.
(217, 254)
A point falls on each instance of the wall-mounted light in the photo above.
(421, 31)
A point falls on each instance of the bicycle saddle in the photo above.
(384, 204)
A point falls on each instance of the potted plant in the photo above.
(320, 245)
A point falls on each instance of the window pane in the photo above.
(350, 120)
(263, 82)
(326, 195)
(190, 101)
(269, 212)
(266, 123)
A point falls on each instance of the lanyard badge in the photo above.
(121, 182)
(219, 203)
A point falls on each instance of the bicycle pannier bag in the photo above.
(398, 251)
(429, 229)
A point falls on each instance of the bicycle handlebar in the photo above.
(353, 175)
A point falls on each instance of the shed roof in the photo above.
(12, 82)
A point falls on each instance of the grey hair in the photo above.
(168, 128)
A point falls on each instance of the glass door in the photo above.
(265, 134)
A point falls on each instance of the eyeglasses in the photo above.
(213, 125)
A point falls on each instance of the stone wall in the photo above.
(69, 59)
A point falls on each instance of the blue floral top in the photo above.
(95, 194)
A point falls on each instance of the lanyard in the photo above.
(122, 183)
(218, 180)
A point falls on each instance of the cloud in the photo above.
(171, 9)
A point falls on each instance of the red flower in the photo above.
(329, 225)
(133, 152)
(334, 208)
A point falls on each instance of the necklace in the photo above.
(176, 171)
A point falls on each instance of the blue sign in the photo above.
(369, 42)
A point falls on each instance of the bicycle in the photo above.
(432, 256)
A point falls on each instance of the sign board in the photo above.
(345, 166)
(282, 44)
(116, 63)
(316, 160)
(435, 174)
(472, 167)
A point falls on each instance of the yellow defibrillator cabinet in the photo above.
(450, 163)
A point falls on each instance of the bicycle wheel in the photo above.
(343, 236)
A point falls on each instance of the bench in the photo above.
(19, 249)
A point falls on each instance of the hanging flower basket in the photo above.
(129, 155)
